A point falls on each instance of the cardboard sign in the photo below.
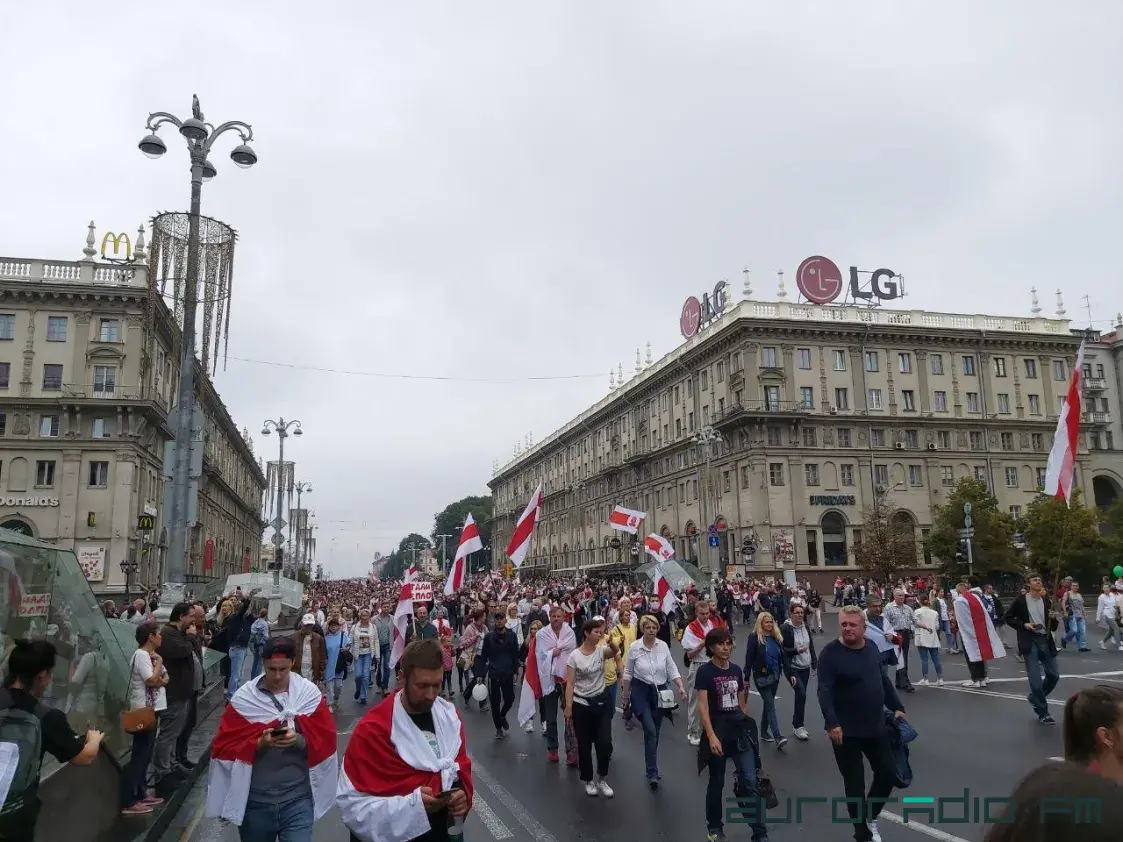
(422, 591)
(34, 604)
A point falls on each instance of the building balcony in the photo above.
(1097, 417)
(1095, 384)
(74, 272)
(744, 412)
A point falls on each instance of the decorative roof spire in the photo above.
(620, 374)
(1036, 309)
(1119, 321)
(781, 293)
(139, 251)
(612, 380)
(1060, 305)
(89, 250)
(639, 362)
(747, 289)
(648, 360)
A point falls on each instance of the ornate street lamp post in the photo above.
(282, 428)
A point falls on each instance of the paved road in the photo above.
(981, 740)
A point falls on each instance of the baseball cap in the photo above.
(308, 620)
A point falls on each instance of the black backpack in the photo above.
(25, 731)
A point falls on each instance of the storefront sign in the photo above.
(92, 562)
(34, 604)
(698, 314)
(833, 500)
(29, 502)
(820, 282)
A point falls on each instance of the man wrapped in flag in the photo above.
(273, 769)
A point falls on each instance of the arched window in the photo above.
(833, 525)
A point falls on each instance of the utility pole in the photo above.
(444, 553)
(706, 438)
(969, 534)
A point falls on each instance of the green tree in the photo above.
(1065, 540)
(449, 519)
(887, 544)
(992, 548)
(402, 557)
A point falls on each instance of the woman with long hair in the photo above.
(649, 672)
(588, 705)
(147, 680)
(767, 663)
(524, 654)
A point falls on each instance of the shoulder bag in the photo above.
(140, 720)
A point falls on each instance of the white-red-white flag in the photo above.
(403, 615)
(1061, 468)
(412, 573)
(519, 545)
(659, 547)
(664, 592)
(469, 543)
(626, 520)
(532, 684)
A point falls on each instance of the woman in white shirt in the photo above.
(588, 705)
(1107, 616)
(650, 667)
(514, 624)
(928, 640)
(147, 680)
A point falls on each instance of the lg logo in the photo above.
(820, 282)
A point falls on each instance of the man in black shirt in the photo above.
(501, 654)
(854, 692)
(421, 628)
(30, 667)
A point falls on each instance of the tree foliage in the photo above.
(1064, 540)
(448, 520)
(400, 560)
(992, 548)
(887, 544)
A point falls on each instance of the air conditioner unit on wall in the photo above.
(931, 445)
(898, 445)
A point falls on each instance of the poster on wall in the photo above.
(92, 562)
(783, 546)
(34, 604)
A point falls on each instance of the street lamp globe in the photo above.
(209, 171)
(298, 432)
(243, 156)
(152, 146)
(194, 129)
(265, 431)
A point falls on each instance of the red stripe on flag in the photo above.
(982, 632)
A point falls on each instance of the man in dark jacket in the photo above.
(237, 640)
(178, 655)
(1029, 615)
(199, 616)
(501, 653)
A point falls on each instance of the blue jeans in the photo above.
(362, 675)
(133, 776)
(258, 663)
(750, 808)
(237, 656)
(612, 696)
(384, 667)
(1077, 630)
(1040, 659)
(934, 654)
(288, 822)
(652, 721)
(768, 717)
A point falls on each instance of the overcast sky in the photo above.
(515, 189)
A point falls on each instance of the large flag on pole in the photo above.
(469, 543)
(659, 547)
(626, 520)
(403, 614)
(519, 544)
(663, 591)
(1061, 469)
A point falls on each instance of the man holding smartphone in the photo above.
(1029, 615)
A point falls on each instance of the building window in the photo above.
(48, 426)
(1031, 369)
(720, 371)
(768, 358)
(52, 376)
(969, 366)
(694, 488)
(908, 396)
(1011, 477)
(1060, 371)
(973, 402)
(1003, 403)
(1016, 512)
(7, 326)
(806, 397)
(677, 396)
(846, 475)
(947, 476)
(999, 366)
(45, 473)
(976, 439)
(737, 397)
(981, 473)
(839, 360)
(904, 361)
(736, 363)
(881, 475)
(803, 358)
(1007, 440)
(871, 360)
(841, 399)
(772, 398)
(874, 398)
(690, 420)
(5, 374)
(936, 362)
(916, 475)
(1037, 441)
(705, 415)
(844, 437)
(99, 474)
(720, 407)
(943, 439)
(776, 473)
(705, 379)
(1034, 405)
(1040, 477)
(3, 423)
(108, 330)
(775, 437)
(809, 437)
(812, 473)
(56, 328)
(105, 379)
(912, 439)
(745, 476)
(812, 548)
(877, 437)
(678, 428)
(100, 429)
(940, 401)
(726, 482)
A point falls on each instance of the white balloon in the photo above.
(479, 692)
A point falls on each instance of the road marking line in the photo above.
(491, 821)
(516, 809)
(189, 830)
(920, 827)
(980, 692)
(1057, 759)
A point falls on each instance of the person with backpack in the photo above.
(28, 729)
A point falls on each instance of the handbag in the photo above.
(667, 699)
(140, 720)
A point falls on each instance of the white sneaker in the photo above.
(529, 728)
(801, 734)
(694, 741)
(974, 684)
(983, 683)
(591, 789)
(1103, 644)
(1121, 647)
(875, 834)
(543, 729)
(922, 683)
(604, 788)
(939, 682)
